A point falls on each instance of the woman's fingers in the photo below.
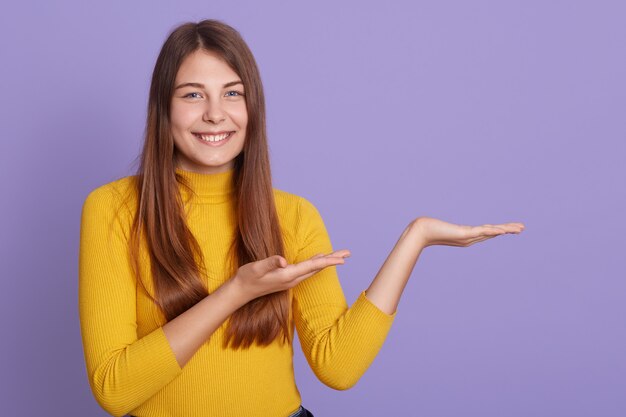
(276, 274)
(438, 232)
(316, 264)
(344, 253)
(311, 266)
(493, 230)
(488, 231)
(277, 267)
(303, 277)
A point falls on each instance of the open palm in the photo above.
(438, 232)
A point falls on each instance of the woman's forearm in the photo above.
(388, 285)
(187, 332)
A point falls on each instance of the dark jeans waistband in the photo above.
(302, 412)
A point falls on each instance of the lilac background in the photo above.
(472, 112)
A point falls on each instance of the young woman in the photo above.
(194, 272)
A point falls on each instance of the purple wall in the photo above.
(471, 112)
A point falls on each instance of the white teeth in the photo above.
(212, 138)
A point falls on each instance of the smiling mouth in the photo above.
(213, 138)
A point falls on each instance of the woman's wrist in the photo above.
(414, 233)
(234, 291)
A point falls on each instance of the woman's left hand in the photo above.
(437, 232)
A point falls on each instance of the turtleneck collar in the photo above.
(209, 188)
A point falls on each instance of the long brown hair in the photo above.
(175, 255)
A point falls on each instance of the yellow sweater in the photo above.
(130, 365)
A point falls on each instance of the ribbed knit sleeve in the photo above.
(123, 371)
(339, 343)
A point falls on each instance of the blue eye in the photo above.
(227, 94)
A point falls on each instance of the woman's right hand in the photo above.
(273, 274)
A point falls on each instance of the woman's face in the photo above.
(208, 100)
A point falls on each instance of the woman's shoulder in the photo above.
(114, 194)
(287, 200)
(301, 220)
(293, 206)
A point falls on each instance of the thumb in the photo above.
(276, 261)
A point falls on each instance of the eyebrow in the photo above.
(200, 85)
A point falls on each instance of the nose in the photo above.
(213, 111)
